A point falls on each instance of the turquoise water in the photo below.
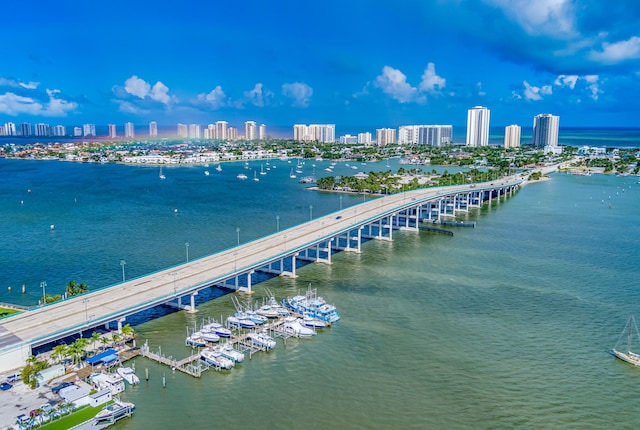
(501, 326)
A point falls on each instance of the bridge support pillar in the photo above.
(192, 307)
(247, 289)
(120, 321)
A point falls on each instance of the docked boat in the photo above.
(626, 354)
(262, 340)
(195, 340)
(217, 328)
(128, 374)
(208, 335)
(235, 321)
(253, 316)
(115, 411)
(313, 305)
(311, 322)
(292, 326)
(227, 350)
(214, 358)
(267, 311)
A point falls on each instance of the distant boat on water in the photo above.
(161, 175)
(219, 168)
(630, 331)
(241, 176)
(292, 175)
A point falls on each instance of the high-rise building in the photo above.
(545, 130)
(89, 130)
(112, 131)
(183, 130)
(10, 129)
(364, 138)
(408, 134)
(323, 133)
(129, 130)
(348, 139)
(478, 126)
(1, 130)
(194, 131)
(77, 131)
(231, 133)
(250, 130)
(385, 136)
(153, 129)
(512, 136)
(222, 129)
(263, 132)
(25, 129)
(435, 135)
(43, 129)
(58, 130)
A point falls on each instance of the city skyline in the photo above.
(580, 60)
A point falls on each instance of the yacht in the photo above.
(128, 374)
(195, 340)
(262, 340)
(227, 350)
(214, 358)
(292, 326)
(115, 411)
(240, 322)
(208, 335)
(311, 322)
(241, 176)
(217, 328)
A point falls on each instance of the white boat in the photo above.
(241, 176)
(214, 358)
(161, 175)
(195, 340)
(115, 411)
(267, 311)
(227, 350)
(311, 322)
(262, 172)
(206, 173)
(630, 331)
(219, 168)
(292, 326)
(240, 322)
(292, 175)
(128, 374)
(217, 328)
(255, 178)
(262, 340)
(208, 335)
(313, 305)
(253, 316)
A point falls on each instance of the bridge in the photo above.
(277, 254)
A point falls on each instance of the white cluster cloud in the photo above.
(216, 98)
(142, 89)
(613, 53)
(300, 93)
(394, 83)
(569, 80)
(548, 17)
(535, 93)
(15, 104)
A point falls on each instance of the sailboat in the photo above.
(631, 330)
(255, 178)
(262, 172)
(161, 176)
(292, 175)
(219, 168)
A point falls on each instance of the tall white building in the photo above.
(77, 131)
(545, 130)
(385, 136)
(10, 129)
(89, 130)
(183, 130)
(231, 133)
(323, 133)
(25, 129)
(129, 130)
(222, 128)
(153, 129)
(478, 126)
(364, 138)
(250, 130)
(58, 130)
(512, 136)
(43, 129)
(112, 131)
(263, 132)
(348, 139)
(435, 135)
(194, 131)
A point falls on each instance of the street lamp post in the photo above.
(238, 234)
(310, 212)
(122, 263)
(43, 285)
(277, 223)
(186, 246)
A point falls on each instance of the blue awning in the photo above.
(99, 358)
(110, 359)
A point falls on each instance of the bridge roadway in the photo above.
(47, 323)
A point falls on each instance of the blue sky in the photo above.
(357, 63)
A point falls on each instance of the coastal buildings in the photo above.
(348, 139)
(153, 129)
(478, 126)
(263, 132)
(58, 130)
(183, 130)
(323, 133)
(194, 131)
(25, 129)
(385, 136)
(89, 130)
(250, 130)
(129, 130)
(77, 131)
(434, 135)
(364, 138)
(42, 129)
(512, 136)
(112, 131)
(545, 130)
(10, 129)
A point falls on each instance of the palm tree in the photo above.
(59, 352)
(128, 331)
(95, 336)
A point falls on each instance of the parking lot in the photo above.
(20, 399)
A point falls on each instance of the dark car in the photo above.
(59, 387)
(5, 386)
